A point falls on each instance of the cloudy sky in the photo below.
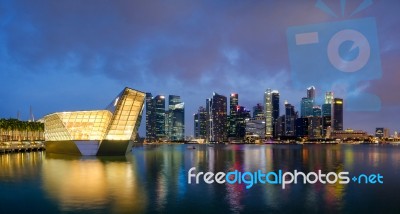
(77, 55)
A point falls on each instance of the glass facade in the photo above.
(120, 121)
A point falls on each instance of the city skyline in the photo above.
(52, 62)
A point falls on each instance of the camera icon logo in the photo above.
(342, 53)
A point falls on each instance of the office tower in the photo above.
(302, 127)
(268, 113)
(242, 115)
(314, 127)
(328, 97)
(315, 123)
(258, 111)
(218, 118)
(327, 113)
(290, 117)
(200, 123)
(159, 102)
(317, 112)
(271, 111)
(209, 127)
(306, 107)
(233, 108)
(275, 110)
(280, 126)
(337, 116)
(175, 119)
(311, 94)
(150, 118)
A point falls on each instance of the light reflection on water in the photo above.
(154, 179)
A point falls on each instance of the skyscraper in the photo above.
(268, 113)
(159, 102)
(176, 118)
(317, 112)
(209, 123)
(328, 97)
(218, 117)
(306, 107)
(150, 118)
(311, 94)
(242, 115)
(275, 110)
(258, 111)
(337, 114)
(290, 118)
(233, 108)
(200, 123)
(327, 113)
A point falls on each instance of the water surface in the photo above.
(153, 178)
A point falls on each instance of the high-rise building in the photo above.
(268, 113)
(242, 115)
(275, 110)
(271, 111)
(317, 112)
(218, 117)
(150, 118)
(327, 113)
(159, 102)
(258, 111)
(280, 126)
(311, 94)
(233, 110)
(209, 123)
(306, 107)
(302, 127)
(200, 123)
(290, 118)
(314, 127)
(337, 114)
(176, 118)
(328, 97)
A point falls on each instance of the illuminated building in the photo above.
(218, 118)
(175, 119)
(159, 105)
(382, 132)
(306, 107)
(290, 118)
(268, 113)
(337, 116)
(255, 126)
(150, 118)
(98, 132)
(275, 110)
(271, 111)
(200, 123)
(311, 94)
(233, 114)
(258, 111)
(327, 113)
(349, 134)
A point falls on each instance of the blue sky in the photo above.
(77, 55)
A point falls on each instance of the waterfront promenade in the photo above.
(9, 147)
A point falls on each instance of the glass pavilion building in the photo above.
(96, 132)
